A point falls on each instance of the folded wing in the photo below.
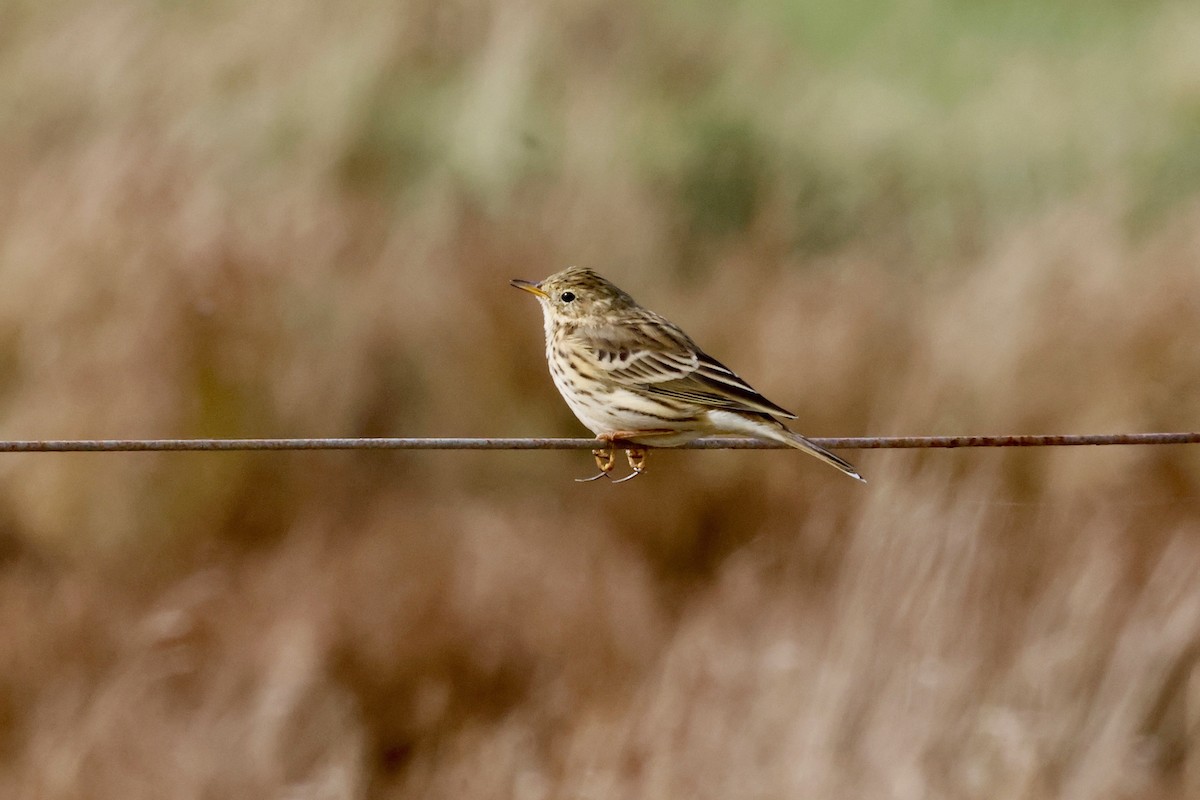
(659, 358)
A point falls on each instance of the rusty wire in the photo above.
(856, 443)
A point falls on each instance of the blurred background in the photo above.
(268, 219)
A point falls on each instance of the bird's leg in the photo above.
(637, 458)
(636, 453)
(637, 462)
(605, 459)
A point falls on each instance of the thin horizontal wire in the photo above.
(857, 443)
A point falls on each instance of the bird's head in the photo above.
(576, 294)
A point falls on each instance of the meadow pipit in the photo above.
(634, 378)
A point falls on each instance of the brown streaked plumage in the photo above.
(635, 378)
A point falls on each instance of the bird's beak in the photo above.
(528, 286)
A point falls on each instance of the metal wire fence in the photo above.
(715, 443)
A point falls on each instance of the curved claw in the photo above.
(604, 462)
(605, 458)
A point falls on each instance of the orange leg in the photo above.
(605, 458)
(637, 462)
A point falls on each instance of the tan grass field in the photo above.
(267, 219)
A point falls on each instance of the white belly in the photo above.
(613, 409)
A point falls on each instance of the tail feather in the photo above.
(797, 441)
(764, 426)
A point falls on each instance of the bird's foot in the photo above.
(605, 460)
(637, 462)
(605, 457)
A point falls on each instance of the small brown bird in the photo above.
(636, 379)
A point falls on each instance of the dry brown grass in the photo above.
(259, 219)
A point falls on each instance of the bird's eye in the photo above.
(567, 297)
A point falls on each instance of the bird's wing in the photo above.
(655, 356)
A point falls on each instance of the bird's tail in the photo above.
(764, 426)
(792, 439)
